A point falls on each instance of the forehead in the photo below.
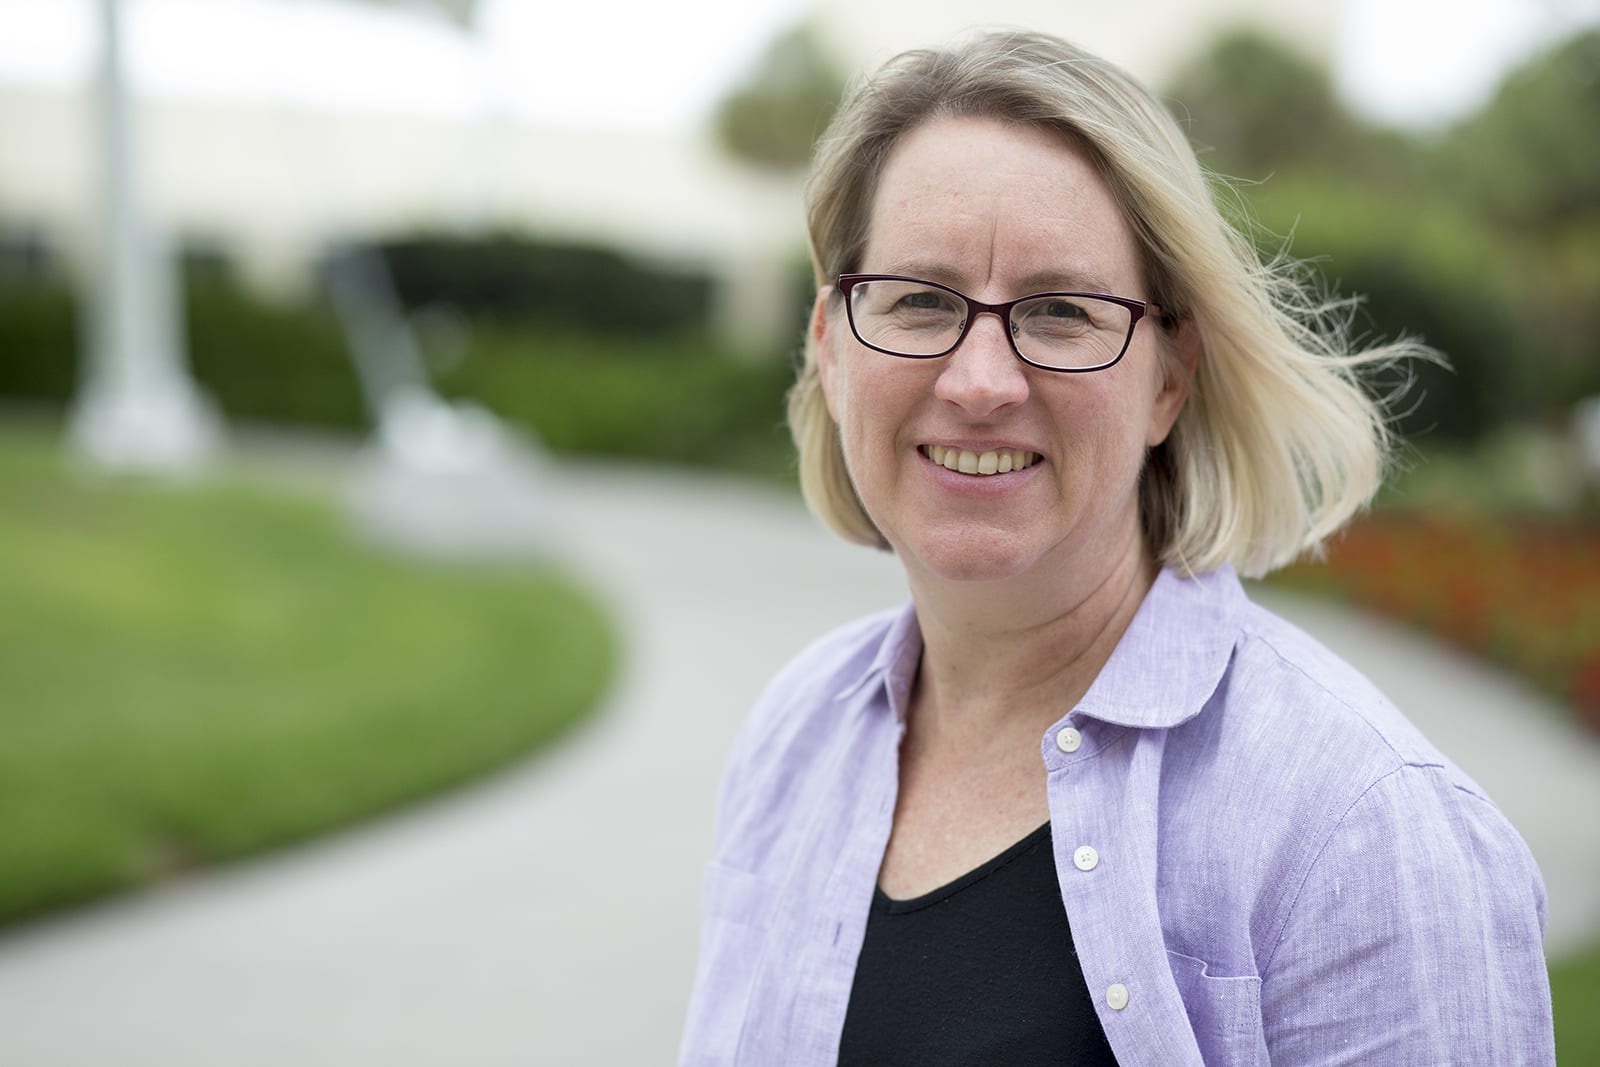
(979, 202)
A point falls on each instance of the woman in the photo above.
(1081, 801)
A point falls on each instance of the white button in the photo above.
(1117, 996)
(1086, 858)
(1068, 739)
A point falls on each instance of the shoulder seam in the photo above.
(1326, 841)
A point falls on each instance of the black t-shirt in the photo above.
(980, 971)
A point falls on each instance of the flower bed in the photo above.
(1521, 592)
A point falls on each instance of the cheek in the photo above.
(862, 392)
(1109, 418)
(856, 387)
(843, 389)
(1141, 399)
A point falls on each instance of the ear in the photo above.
(822, 341)
(1178, 364)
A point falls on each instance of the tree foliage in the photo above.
(1254, 106)
(1532, 156)
(774, 115)
(1482, 240)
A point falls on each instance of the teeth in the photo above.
(1003, 461)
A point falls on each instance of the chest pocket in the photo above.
(739, 907)
(1225, 1013)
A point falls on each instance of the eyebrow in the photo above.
(1063, 280)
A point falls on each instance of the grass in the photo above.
(1575, 996)
(191, 675)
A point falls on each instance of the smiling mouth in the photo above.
(963, 461)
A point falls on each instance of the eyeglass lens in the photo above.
(916, 319)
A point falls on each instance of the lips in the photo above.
(981, 464)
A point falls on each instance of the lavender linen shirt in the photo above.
(1260, 858)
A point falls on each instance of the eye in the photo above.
(1057, 308)
(1056, 314)
(924, 300)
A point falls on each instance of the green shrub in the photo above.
(39, 341)
(678, 400)
(260, 359)
(507, 276)
(673, 396)
(272, 361)
(1420, 271)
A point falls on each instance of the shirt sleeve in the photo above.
(1415, 938)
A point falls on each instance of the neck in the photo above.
(1012, 656)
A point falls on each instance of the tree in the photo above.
(1532, 156)
(1254, 107)
(773, 115)
(1529, 163)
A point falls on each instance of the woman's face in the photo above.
(998, 211)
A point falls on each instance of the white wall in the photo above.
(276, 182)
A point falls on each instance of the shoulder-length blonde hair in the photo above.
(1279, 443)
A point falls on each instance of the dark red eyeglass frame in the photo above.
(1137, 309)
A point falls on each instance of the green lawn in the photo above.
(1575, 992)
(189, 675)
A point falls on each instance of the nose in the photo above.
(983, 374)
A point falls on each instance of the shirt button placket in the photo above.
(1086, 858)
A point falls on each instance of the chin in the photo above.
(968, 556)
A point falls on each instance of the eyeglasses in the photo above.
(918, 319)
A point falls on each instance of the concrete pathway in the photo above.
(548, 916)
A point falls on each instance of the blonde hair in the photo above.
(1278, 444)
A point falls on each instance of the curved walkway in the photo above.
(548, 916)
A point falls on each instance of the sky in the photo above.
(1421, 63)
(657, 66)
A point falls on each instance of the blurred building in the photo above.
(263, 181)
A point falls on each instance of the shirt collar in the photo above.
(1168, 663)
(1173, 654)
(895, 662)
